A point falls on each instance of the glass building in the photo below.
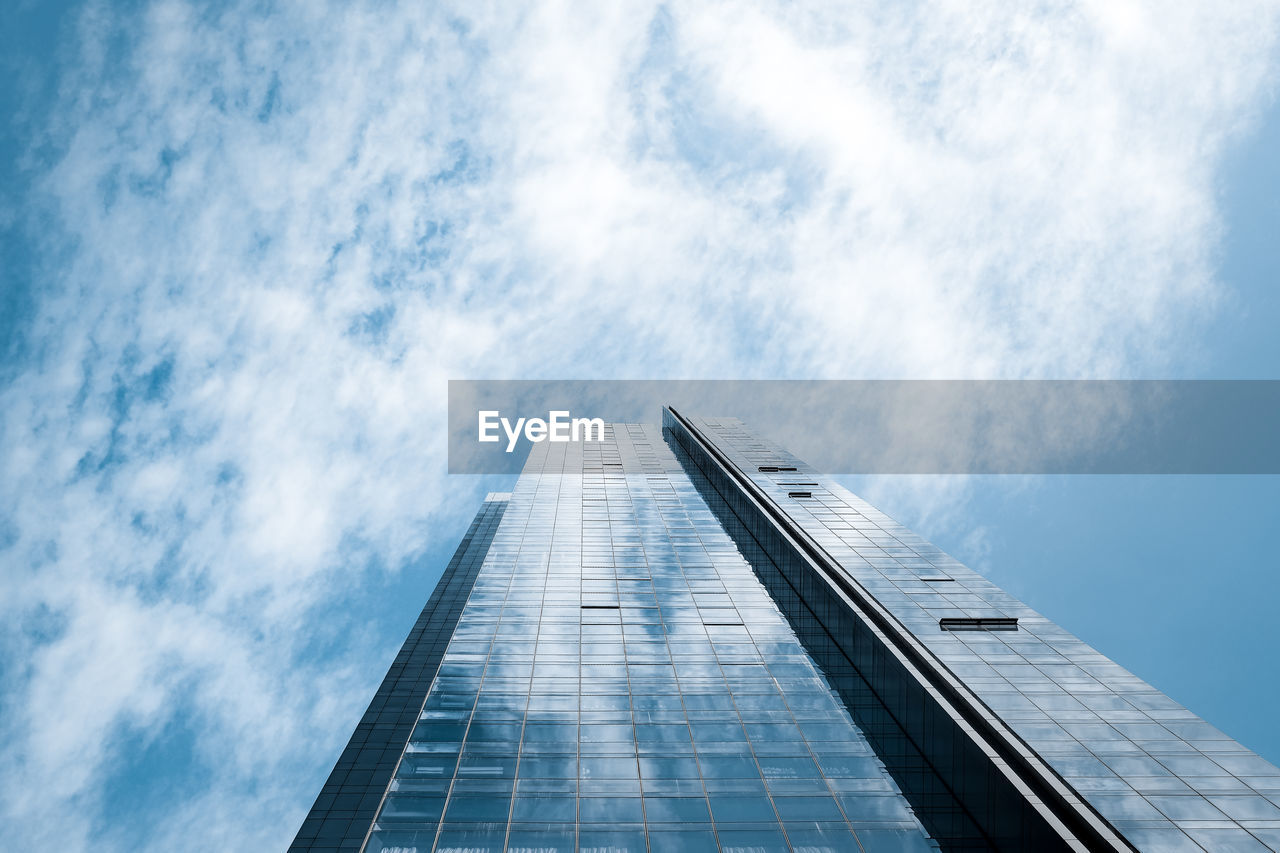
(682, 638)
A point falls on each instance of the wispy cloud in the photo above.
(269, 238)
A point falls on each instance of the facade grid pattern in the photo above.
(620, 680)
(347, 804)
(959, 793)
(1166, 779)
(685, 639)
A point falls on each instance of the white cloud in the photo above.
(317, 217)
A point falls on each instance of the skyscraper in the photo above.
(682, 638)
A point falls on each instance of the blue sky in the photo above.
(244, 248)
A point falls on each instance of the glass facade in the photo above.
(681, 638)
(1158, 774)
(620, 680)
(349, 801)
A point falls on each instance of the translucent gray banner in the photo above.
(903, 426)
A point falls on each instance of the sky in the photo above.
(244, 246)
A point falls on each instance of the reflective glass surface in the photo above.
(621, 680)
(347, 804)
(1161, 775)
(641, 666)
